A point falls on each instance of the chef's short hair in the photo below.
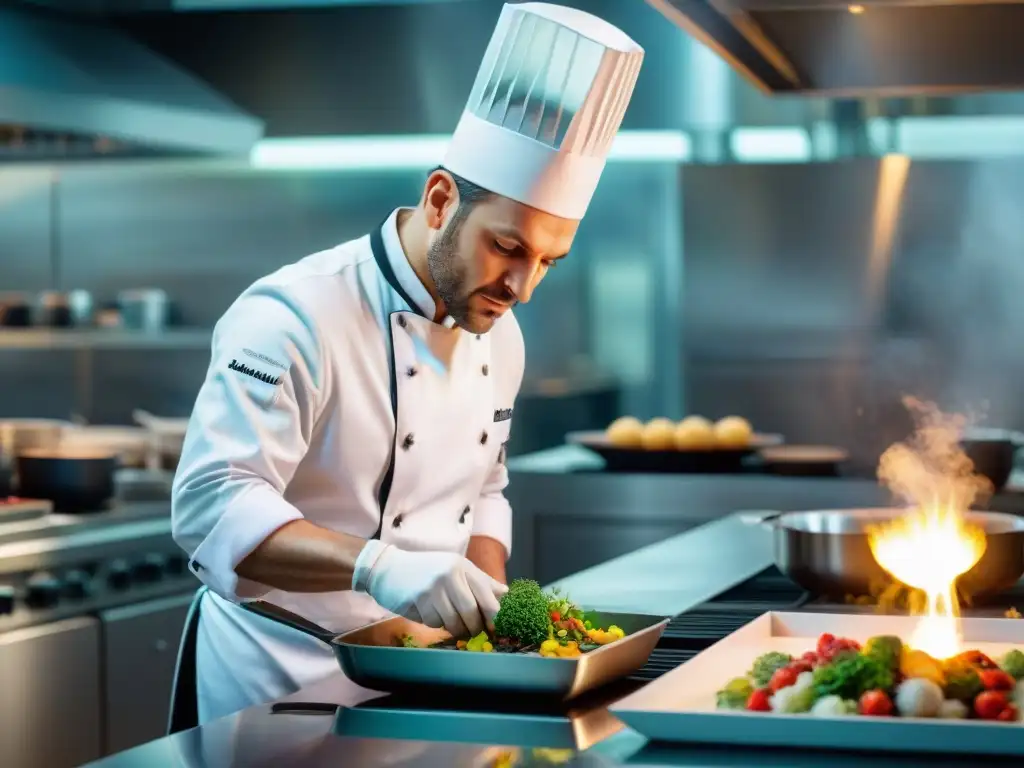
(469, 193)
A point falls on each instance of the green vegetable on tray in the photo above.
(886, 649)
(765, 666)
(852, 675)
(962, 681)
(523, 613)
(1013, 664)
(735, 694)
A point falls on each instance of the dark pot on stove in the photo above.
(993, 454)
(75, 481)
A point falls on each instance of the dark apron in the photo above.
(184, 712)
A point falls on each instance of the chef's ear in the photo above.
(440, 198)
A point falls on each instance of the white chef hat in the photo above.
(547, 102)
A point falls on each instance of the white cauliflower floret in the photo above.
(833, 706)
(918, 697)
(795, 698)
(953, 709)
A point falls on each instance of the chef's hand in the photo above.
(439, 589)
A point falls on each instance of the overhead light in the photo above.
(771, 145)
(424, 151)
(856, 9)
(960, 137)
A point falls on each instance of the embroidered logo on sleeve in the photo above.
(502, 414)
(234, 365)
(265, 359)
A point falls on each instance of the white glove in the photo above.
(439, 589)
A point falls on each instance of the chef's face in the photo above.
(491, 254)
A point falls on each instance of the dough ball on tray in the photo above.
(626, 432)
(659, 435)
(733, 432)
(695, 433)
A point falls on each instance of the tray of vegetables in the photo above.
(542, 643)
(843, 682)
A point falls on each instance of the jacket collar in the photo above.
(408, 285)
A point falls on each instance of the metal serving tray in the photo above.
(370, 658)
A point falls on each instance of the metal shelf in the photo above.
(103, 338)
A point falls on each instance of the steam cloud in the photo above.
(930, 469)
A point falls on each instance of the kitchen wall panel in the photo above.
(33, 382)
(818, 295)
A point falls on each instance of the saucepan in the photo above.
(827, 551)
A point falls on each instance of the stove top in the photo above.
(692, 631)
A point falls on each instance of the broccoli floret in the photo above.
(962, 681)
(523, 613)
(886, 649)
(765, 665)
(852, 675)
(735, 694)
(1013, 664)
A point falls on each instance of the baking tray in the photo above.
(369, 658)
(618, 459)
(679, 707)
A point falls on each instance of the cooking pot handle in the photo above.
(759, 516)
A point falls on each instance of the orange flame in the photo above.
(933, 544)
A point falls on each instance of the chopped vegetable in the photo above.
(876, 703)
(962, 682)
(996, 680)
(830, 646)
(850, 676)
(523, 613)
(833, 706)
(795, 698)
(408, 641)
(953, 709)
(915, 663)
(1013, 664)
(886, 649)
(735, 694)
(919, 697)
(765, 666)
(760, 701)
(976, 659)
(480, 643)
(990, 705)
(783, 678)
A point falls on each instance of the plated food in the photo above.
(532, 620)
(694, 433)
(884, 678)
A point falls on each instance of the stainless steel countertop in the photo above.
(666, 578)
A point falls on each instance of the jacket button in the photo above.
(478, 337)
(407, 443)
(483, 438)
(486, 370)
(411, 371)
(401, 320)
(397, 522)
(465, 511)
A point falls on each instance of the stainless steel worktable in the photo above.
(666, 579)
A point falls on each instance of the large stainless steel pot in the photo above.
(827, 552)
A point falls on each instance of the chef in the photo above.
(345, 458)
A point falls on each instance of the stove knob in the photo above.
(6, 600)
(119, 575)
(43, 591)
(150, 568)
(76, 585)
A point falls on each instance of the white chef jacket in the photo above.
(312, 368)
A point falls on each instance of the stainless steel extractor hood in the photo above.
(858, 48)
(63, 75)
